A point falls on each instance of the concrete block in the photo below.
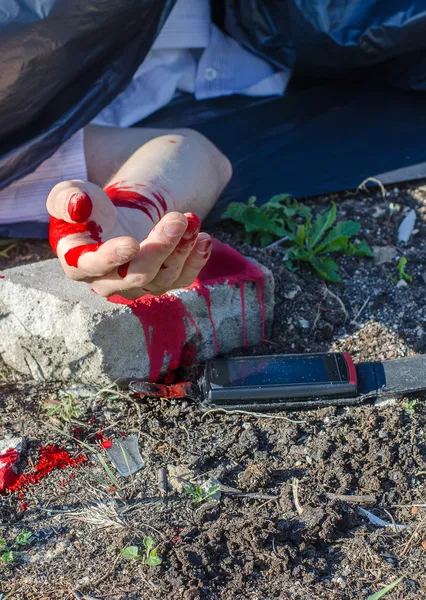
(55, 328)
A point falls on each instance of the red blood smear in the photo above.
(128, 198)
(8, 475)
(1, 276)
(51, 457)
(103, 440)
(172, 142)
(160, 199)
(163, 323)
(23, 506)
(164, 318)
(59, 229)
(9, 457)
(191, 232)
(79, 207)
(122, 269)
(73, 255)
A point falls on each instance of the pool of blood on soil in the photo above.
(51, 457)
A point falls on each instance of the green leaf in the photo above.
(401, 270)
(321, 224)
(3, 545)
(304, 211)
(130, 553)
(265, 239)
(149, 543)
(153, 560)
(360, 249)
(385, 590)
(300, 236)
(342, 231)
(10, 557)
(279, 198)
(327, 268)
(23, 538)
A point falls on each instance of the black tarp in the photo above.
(62, 61)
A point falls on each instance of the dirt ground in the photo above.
(292, 530)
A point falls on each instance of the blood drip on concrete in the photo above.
(51, 458)
(163, 317)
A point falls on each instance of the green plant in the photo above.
(409, 406)
(385, 590)
(263, 224)
(303, 239)
(150, 556)
(400, 267)
(66, 409)
(199, 494)
(12, 553)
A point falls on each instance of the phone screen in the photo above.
(283, 370)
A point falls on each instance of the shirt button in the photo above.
(210, 74)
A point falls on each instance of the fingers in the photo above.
(172, 267)
(154, 250)
(83, 262)
(80, 202)
(195, 261)
(125, 287)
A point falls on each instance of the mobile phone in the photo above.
(278, 379)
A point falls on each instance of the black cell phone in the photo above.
(294, 379)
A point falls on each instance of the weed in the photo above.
(150, 557)
(12, 553)
(304, 239)
(199, 494)
(66, 409)
(403, 275)
(10, 245)
(385, 590)
(409, 406)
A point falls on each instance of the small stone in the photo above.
(178, 475)
(419, 331)
(304, 323)
(290, 291)
(402, 284)
(208, 485)
(384, 254)
(406, 227)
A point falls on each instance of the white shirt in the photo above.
(190, 55)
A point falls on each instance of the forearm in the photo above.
(186, 168)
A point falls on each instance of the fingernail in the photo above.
(125, 252)
(174, 228)
(204, 246)
(194, 224)
(79, 207)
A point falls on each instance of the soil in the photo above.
(294, 528)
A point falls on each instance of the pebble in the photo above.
(402, 283)
(290, 292)
(304, 323)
